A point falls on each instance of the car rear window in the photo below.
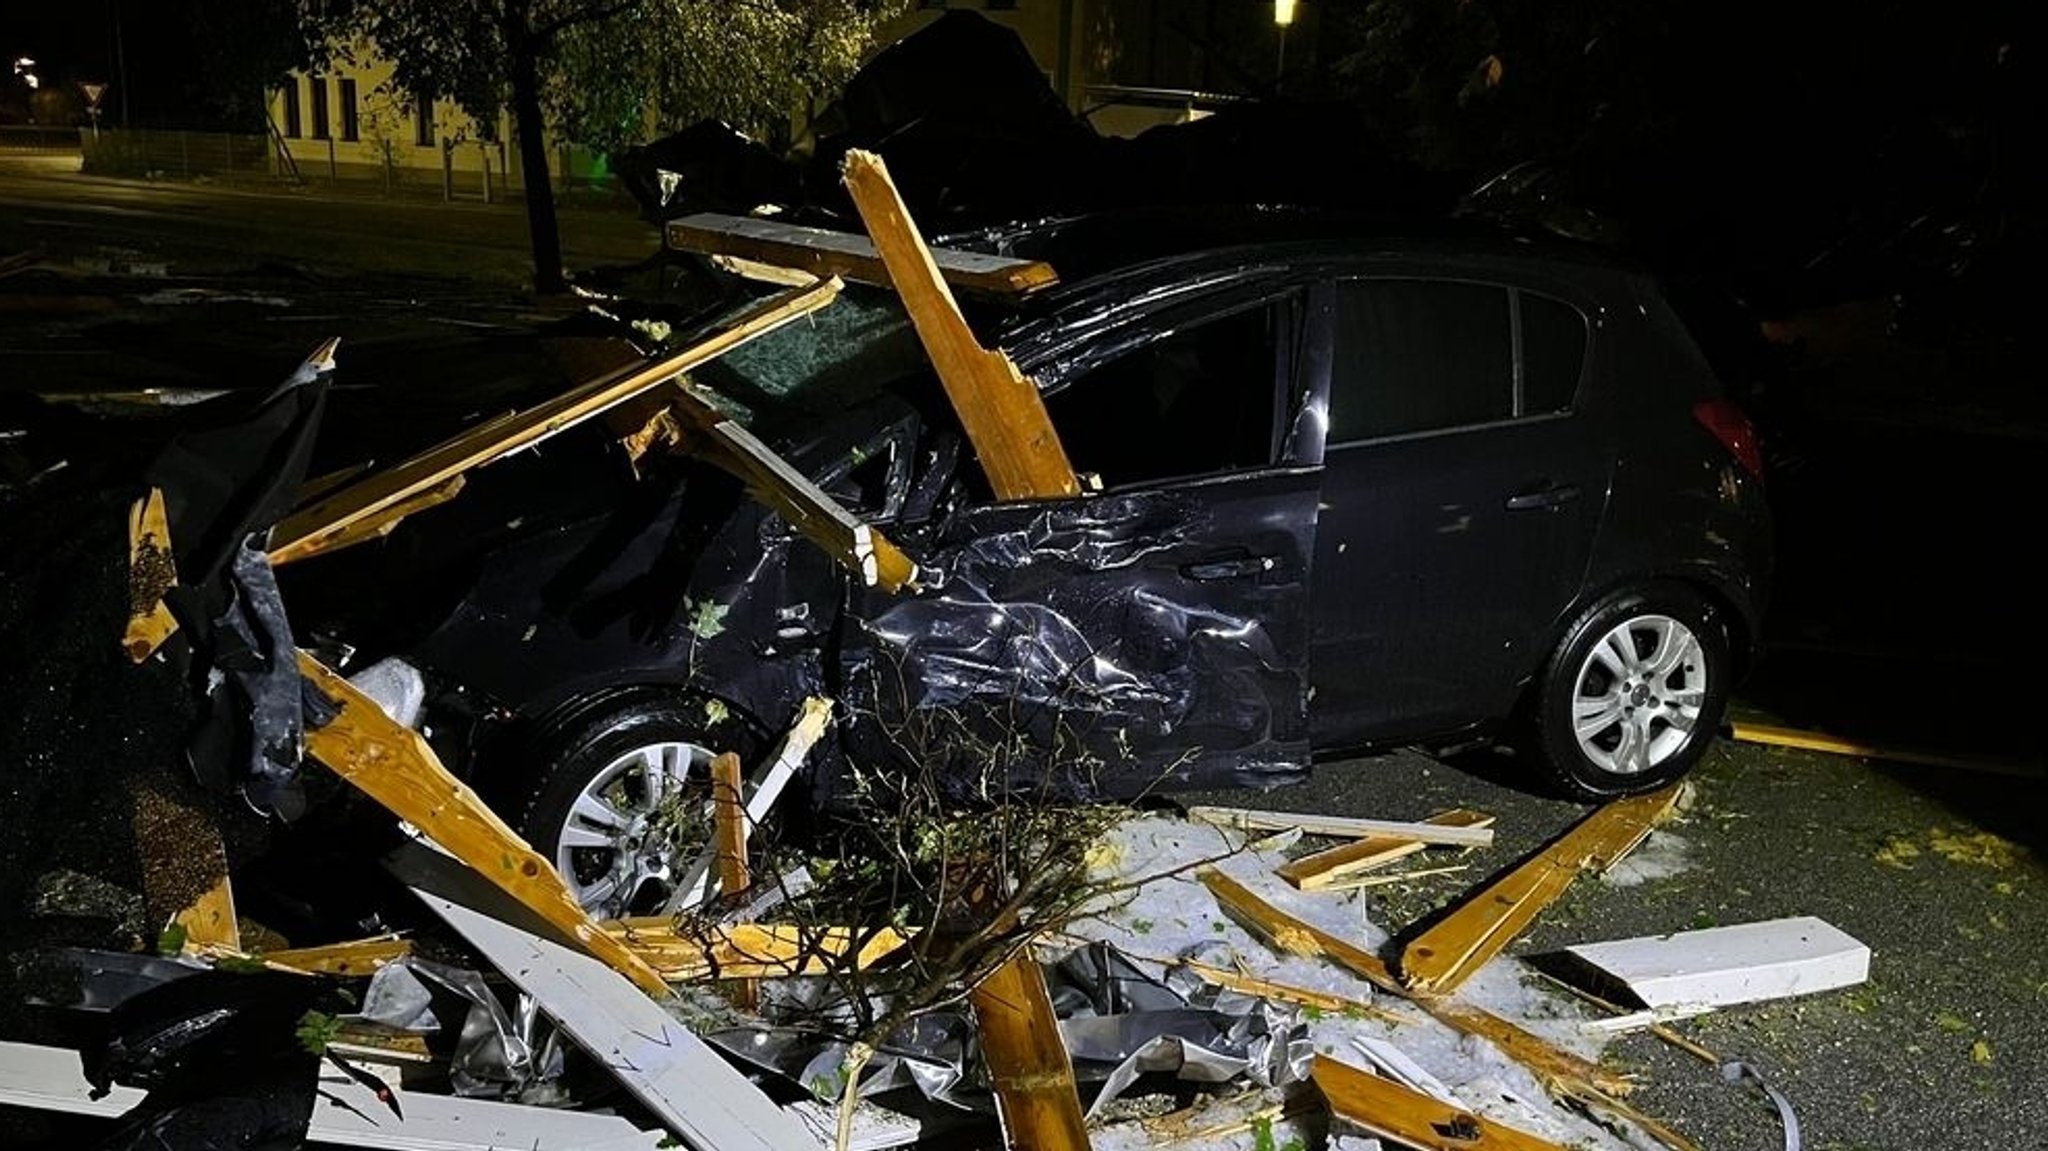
(1419, 355)
(1553, 353)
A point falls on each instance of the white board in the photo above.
(52, 1079)
(1743, 963)
(689, 1086)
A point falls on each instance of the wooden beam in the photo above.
(1285, 993)
(1001, 412)
(210, 921)
(1028, 1063)
(151, 573)
(377, 525)
(723, 442)
(1459, 833)
(680, 1079)
(394, 766)
(762, 792)
(1392, 1111)
(1561, 1071)
(1771, 736)
(1491, 917)
(752, 951)
(311, 530)
(1324, 868)
(790, 248)
(359, 957)
(729, 840)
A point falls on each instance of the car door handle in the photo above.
(1227, 567)
(1548, 497)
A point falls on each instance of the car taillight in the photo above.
(1731, 426)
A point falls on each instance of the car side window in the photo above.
(1553, 353)
(1418, 356)
(1198, 400)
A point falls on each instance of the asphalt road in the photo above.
(1907, 615)
(1938, 872)
(213, 230)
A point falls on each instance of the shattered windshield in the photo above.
(820, 365)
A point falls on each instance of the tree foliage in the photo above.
(750, 64)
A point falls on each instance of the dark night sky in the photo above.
(73, 42)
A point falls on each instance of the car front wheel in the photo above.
(620, 800)
(1633, 695)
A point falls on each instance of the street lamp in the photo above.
(1283, 17)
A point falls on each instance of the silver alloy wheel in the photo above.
(1638, 694)
(624, 831)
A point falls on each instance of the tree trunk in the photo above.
(541, 225)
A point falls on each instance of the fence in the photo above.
(38, 139)
(143, 152)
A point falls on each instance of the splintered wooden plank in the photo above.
(210, 921)
(818, 517)
(1286, 993)
(1459, 944)
(1390, 1110)
(360, 957)
(691, 1088)
(818, 252)
(812, 721)
(1740, 963)
(151, 573)
(752, 951)
(1312, 872)
(1558, 1069)
(1001, 411)
(1456, 833)
(1772, 736)
(394, 766)
(315, 529)
(1028, 1063)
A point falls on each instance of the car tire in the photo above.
(588, 807)
(1634, 694)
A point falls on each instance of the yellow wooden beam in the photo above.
(751, 951)
(1324, 868)
(358, 957)
(1001, 411)
(312, 530)
(151, 573)
(1772, 736)
(394, 766)
(1560, 1070)
(1407, 1116)
(772, 250)
(1028, 1063)
(1491, 917)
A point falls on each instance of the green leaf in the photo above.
(1262, 1134)
(172, 941)
(316, 1030)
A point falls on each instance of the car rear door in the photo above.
(1465, 475)
(1153, 632)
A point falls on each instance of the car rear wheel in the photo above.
(620, 798)
(1633, 695)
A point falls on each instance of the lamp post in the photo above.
(1283, 18)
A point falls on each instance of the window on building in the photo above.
(290, 92)
(1416, 356)
(1199, 401)
(345, 93)
(317, 86)
(423, 121)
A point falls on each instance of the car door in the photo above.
(1464, 480)
(1153, 632)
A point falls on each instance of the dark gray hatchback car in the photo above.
(1354, 492)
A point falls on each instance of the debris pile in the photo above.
(951, 958)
